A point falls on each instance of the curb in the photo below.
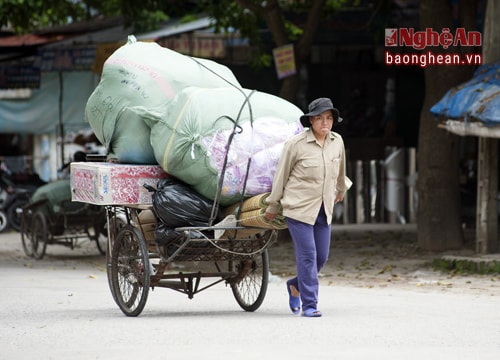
(468, 265)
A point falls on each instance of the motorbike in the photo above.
(13, 197)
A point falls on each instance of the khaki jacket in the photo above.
(308, 175)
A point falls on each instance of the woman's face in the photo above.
(322, 124)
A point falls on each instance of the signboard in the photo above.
(284, 60)
(19, 76)
(103, 51)
(67, 59)
(205, 46)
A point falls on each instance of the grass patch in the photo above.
(464, 266)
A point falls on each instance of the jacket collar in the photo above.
(310, 135)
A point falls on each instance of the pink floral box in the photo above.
(113, 184)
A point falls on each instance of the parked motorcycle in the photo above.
(3, 221)
(13, 197)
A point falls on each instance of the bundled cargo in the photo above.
(146, 74)
(113, 184)
(234, 133)
(190, 116)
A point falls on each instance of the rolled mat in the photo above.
(252, 213)
(254, 203)
(256, 218)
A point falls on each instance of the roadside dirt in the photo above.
(385, 257)
(364, 256)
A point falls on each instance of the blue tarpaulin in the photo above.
(478, 98)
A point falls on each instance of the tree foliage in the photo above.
(24, 16)
(280, 22)
(287, 21)
(28, 15)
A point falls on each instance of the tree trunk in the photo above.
(487, 169)
(439, 217)
(273, 16)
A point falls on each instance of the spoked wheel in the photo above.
(26, 234)
(14, 213)
(115, 221)
(130, 271)
(39, 235)
(250, 290)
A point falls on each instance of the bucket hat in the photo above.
(317, 107)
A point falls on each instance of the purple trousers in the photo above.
(312, 245)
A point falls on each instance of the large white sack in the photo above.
(143, 74)
(190, 135)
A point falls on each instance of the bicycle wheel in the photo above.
(14, 215)
(115, 222)
(130, 271)
(39, 235)
(26, 240)
(250, 291)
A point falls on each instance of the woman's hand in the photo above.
(270, 216)
(339, 198)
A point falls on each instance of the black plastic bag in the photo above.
(178, 205)
(165, 235)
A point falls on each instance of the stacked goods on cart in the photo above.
(191, 117)
(238, 134)
(177, 205)
(103, 183)
(143, 74)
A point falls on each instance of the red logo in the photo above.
(391, 37)
(419, 40)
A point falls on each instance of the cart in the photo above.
(65, 223)
(136, 262)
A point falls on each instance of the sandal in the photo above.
(311, 313)
(294, 301)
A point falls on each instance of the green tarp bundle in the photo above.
(58, 196)
(145, 74)
(190, 116)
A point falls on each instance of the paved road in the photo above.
(62, 309)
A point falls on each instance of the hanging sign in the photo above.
(284, 60)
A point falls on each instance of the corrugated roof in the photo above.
(175, 26)
(59, 33)
(28, 40)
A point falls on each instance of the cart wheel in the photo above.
(115, 222)
(3, 221)
(26, 234)
(250, 291)
(130, 273)
(14, 216)
(39, 235)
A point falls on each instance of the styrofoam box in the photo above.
(113, 184)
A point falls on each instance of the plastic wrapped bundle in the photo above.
(204, 134)
(146, 74)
